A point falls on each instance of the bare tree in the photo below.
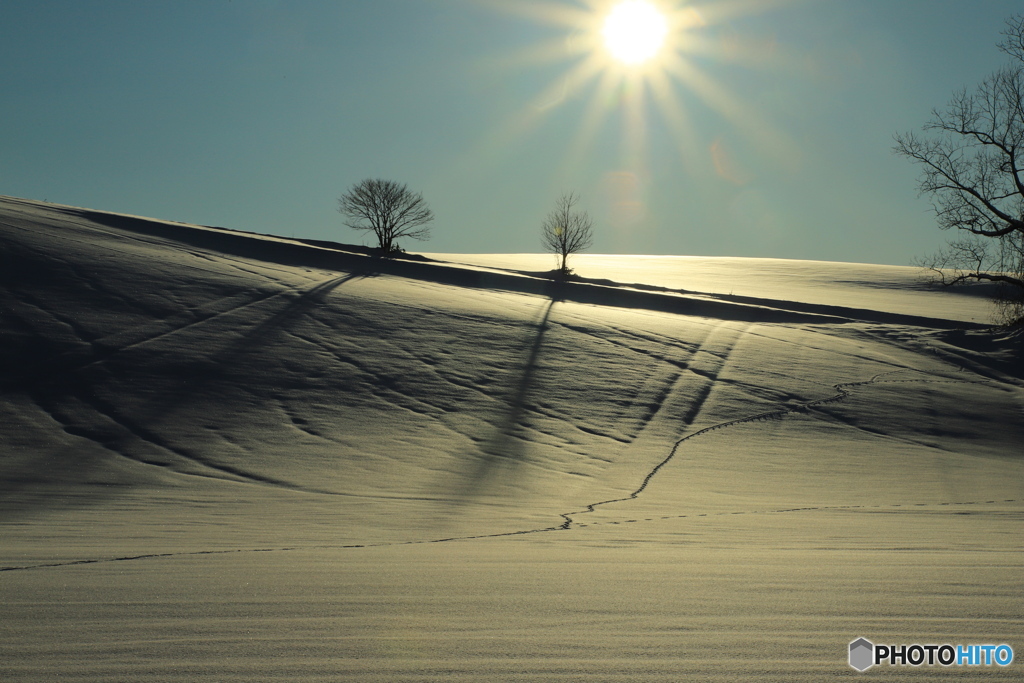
(566, 231)
(972, 160)
(388, 210)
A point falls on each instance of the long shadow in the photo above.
(130, 433)
(245, 344)
(306, 301)
(504, 451)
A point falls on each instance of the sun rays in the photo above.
(638, 62)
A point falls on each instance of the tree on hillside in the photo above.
(387, 209)
(972, 161)
(566, 231)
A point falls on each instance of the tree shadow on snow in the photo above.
(248, 342)
(125, 425)
(504, 451)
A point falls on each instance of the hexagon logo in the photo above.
(862, 654)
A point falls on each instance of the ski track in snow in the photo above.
(842, 391)
(777, 414)
(775, 511)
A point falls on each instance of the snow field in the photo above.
(228, 467)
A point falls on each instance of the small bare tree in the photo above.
(388, 210)
(566, 231)
(973, 168)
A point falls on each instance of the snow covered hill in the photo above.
(229, 456)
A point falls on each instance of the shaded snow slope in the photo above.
(241, 457)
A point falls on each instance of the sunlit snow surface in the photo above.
(230, 457)
(896, 289)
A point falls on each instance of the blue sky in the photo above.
(257, 114)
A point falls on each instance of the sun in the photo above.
(629, 60)
(634, 31)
